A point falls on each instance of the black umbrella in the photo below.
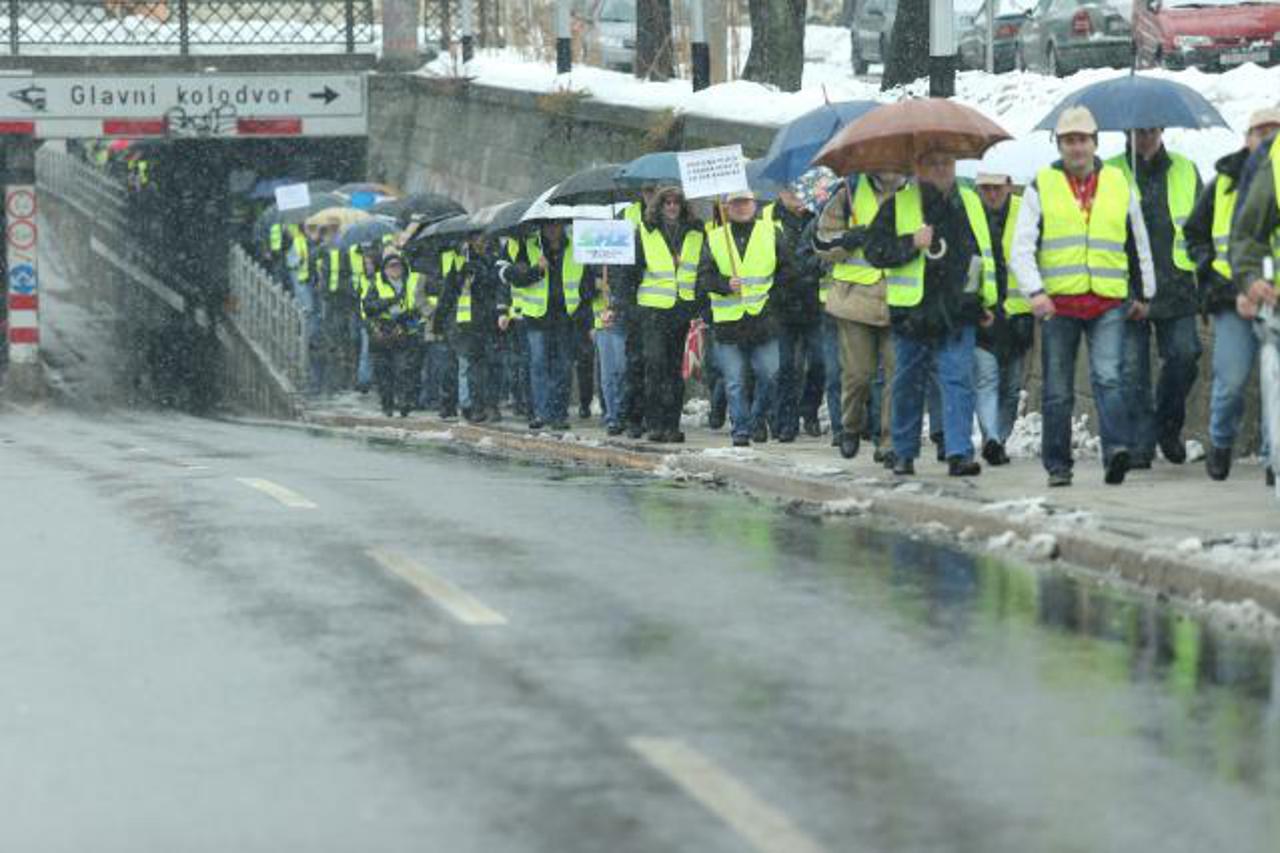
(597, 185)
(419, 207)
(507, 216)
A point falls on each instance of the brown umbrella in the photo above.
(892, 137)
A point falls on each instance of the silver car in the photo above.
(616, 33)
(1062, 36)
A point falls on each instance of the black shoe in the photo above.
(715, 418)
(812, 427)
(889, 459)
(658, 436)
(904, 468)
(584, 411)
(787, 436)
(1059, 478)
(448, 414)
(675, 436)
(561, 426)
(404, 412)
(536, 424)
(993, 453)
(613, 429)
(472, 416)
(849, 444)
(1173, 449)
(958, 466)
(635, 430)
(1218, 463)
(388, 406)
(1117, 468)
(760, 434)
(741, 441)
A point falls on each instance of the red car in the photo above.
(1213, 35)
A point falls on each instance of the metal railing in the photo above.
(269, 319)
(123, 27)
(94, 192)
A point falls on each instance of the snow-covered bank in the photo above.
(1017, 100)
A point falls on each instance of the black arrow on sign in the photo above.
(328, 96)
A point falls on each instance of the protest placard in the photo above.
(712, 171)
(292, 196)
(604, 241)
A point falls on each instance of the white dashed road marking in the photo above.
(759, 824)
(455, 602)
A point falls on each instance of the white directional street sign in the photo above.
(185, 104)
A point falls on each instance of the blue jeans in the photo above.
(1178, 346)
(550, 370)
(1060, 341)
(830, 342)
(952, 357)
(1235, 350)
(799, 358)
(611, 350)
(997, 387)
(745, 415)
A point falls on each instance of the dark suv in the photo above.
(870, 32)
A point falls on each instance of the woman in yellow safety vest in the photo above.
(932, 240)
(1002, 345)
(1235, 347)
(741, 260)
(659, 294)
(468, 314)
(392, 310)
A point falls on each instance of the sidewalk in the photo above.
(1170, 529)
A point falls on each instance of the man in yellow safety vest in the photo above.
(1077, 244)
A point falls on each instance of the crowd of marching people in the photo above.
(886, 294)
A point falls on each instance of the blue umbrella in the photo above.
(1133, 101)
(369, 231)
(662, 167)
(764, 187)
(797, 142)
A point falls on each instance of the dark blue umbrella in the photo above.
(762, 186)
(797, 142)
(1132, 101)
(662, 167)
(370, 231)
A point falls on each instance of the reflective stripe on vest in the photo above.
(855, 269)
(755, 270)
(535, 297)
(1014, 302)
(533, 253)
(663, 282)
(335, 269)
(1224, 206)
(303, 250)
(276, 241)
(906, 283)
(1180, 187)
(1078, 256)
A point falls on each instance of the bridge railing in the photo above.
(184, 27)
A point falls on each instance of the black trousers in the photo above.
(397, 372)
(662, 339)
(584, 355)
(478, 359)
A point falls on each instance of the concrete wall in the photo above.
(483, 145)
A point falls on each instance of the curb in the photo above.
(1099, 551)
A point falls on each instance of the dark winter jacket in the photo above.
(1216, 292)
(945, 306)
(525, 274)
(750, 330)
(1176, 294)
(1256, 218)
(1005, 336)
(798, 299)
(489, 298)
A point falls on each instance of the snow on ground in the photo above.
(1017, 100)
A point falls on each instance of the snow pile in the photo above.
(844, 506)
(1037, 511)
(1025, 440)
(1038, 546)
(739, 454)
(1016, 100)
(1252, 553)
(670, 469)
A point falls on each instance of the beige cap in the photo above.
(744, 195)
(992, 179)
(1266, 115)
(1076, 120)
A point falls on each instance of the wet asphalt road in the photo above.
(221, 637)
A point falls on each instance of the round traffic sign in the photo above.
(22, 279)
(21, 203)
(22, 234)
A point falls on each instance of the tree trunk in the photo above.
(908, 58)
(653, 40)
(777, 43)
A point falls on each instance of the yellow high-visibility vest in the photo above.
(855, 269)
(906, 283)
(1181, 190)
(1076, 255)
(1224, 206)
(408, 297)
(755, 269)
(535, 297)
(664, 281)
(1014, 301)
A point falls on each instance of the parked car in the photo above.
(1060, 37)
(972, 37)
(616, 28)
(1213, 35)
(870, 31)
